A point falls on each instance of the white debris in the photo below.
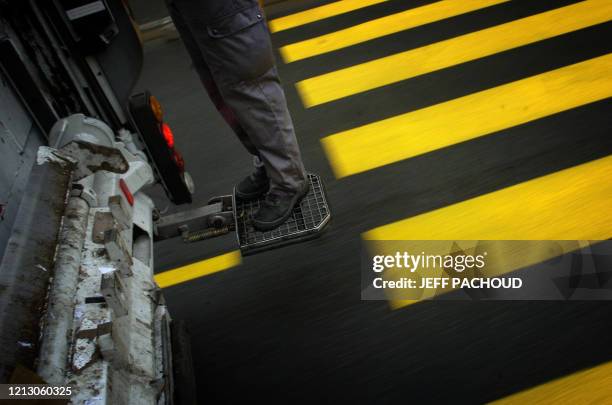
(25, 344)
(78, 312)
(106, 269)
(83, 355)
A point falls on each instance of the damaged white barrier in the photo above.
(106, 328)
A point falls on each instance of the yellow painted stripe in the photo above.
(199, 269)
(421, 131)
(440, 55)
(381, 26)
(591, 386)
(569, 205)
(319, 13)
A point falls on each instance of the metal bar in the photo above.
(197, 219)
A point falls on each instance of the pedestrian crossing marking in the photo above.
(319, 13)
(405, 65)
(199, 269)
(468, 117)
(380, 27)
(590, 386)
(569, 205)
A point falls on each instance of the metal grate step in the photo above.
(306, 222)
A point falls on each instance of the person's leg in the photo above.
(207, 80)
(233, 40)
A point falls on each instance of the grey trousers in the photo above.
(229, 43)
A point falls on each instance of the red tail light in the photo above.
(168, 135)
(158, 139)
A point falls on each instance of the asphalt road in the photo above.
(289, 324)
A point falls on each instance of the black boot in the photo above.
(276, 208)
(253, 186)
